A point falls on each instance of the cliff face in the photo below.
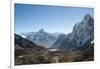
(82, 33)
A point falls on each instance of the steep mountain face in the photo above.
(82, 33)
(59, 41)
(42, 38)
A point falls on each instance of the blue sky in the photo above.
(31, 18)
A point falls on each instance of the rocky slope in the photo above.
(26, 52)
(83, 32)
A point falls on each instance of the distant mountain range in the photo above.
(41, 37)
(82, 32)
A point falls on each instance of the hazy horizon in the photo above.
(32, 18)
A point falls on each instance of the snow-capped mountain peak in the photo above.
(42, 37)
